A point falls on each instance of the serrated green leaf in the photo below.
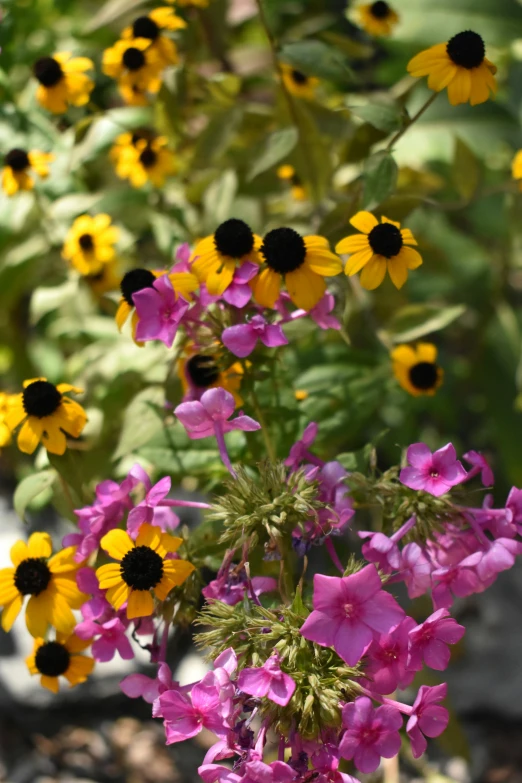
(29, 489)
(414, 321)
(275, 149)
(380, 179)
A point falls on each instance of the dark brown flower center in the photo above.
(86, 242)
(17, 159)
(133, 59)
(52, 659)
(380, 9)
(141, 568)
(135, 280)
(41, 399)
(466, 49)
(202, 370)
(385, 240)
(299, 77)
(145, 27)
(48, 71)
(148, 157)
(32, 576)
(284, 250)
(424, 376)
(234, 238)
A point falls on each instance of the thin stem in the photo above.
(220, 438)
(264, 429)
(414, 119)
(330, 548)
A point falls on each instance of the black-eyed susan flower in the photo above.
(516, 168)
(377, 18)
(381, 246)
(201, 371)
(142, 566)
(47, 415)
(5, 432)
(301, 263)
(60, 658)
(415, 368)
(89, 243)
(49, 579)
(62, 81)
(142, 157)
(216, 257)
(460, 65)
(136, 66)
(298, 83)
(107, 279)
(18, 166)
(287, 173)
(136, 280)
(150, 27)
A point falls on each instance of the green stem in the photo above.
(264, 429)
(413, 120)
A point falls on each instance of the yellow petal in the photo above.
(63, 561)
(118, 594)
(29, 436)
(122, 313)
(11, 612)
(109, 575)
(373, 273)
(37, 614)
(364, 221)
(79, 669)
(19, 552)
(117, 543)
(426, 352)
(266, 287)
(15, 411)
(164, 587)
(479, 85)
(398, 270)
(51, 683)
(305, 287)
(352, 244)
(324, 263)
(40, 545)
(459, 88)
(404, 354)
(75, 645)
(356, 261)
(392, 222)
(53, 438)
(178, 570)
(62, 617)
(150, 536)
(140, 604)
(219, 281)
(171, 543)
(412, 257)
(407, 237)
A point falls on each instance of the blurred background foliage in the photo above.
(225, 116)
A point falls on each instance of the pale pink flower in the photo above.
(151, 511)
(243, 338)
(427, 717)
(387, 660)
(434, 473)
(453, 580)
(415, 570)
(160, 311)
(268, 680)
(383, 550)
(216, 773)
(480, 465)
(370, 733)
(239, 293)
(429, 641)
(185, 715)
(110, 638)
(349, 612)
(321, 313)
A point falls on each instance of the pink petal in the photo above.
(281, 689)
(361, 586)
(194, 417)
(273, 336)
(419, 456)
(366, 759)
(351, 640)
(382, 613)
(328, 593)
(159, 491)
(240, 340)
(136, 685)
(256, 682)
(218, 403)
(319, 628)
(244, 423)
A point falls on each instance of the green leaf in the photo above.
(29, 489)
(384, 117)
(218, 199)
(141, 421)
(465, 171)
(275, 149)
(417, 320)
(110, 12)
(316, 58)
(380, 179)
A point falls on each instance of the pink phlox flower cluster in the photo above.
(231, 584)
(150, 509)
(238, 294)
(325, 761)
(101, 622)
(383, 550)
(434, 473)
(300, 451)
(370, 733)
(268, 680)
(479, 465)
(242, 339)
(429, 641)
(427, 717)
(137, 685)
(206, 417)
(160, 311)
(386, 660)
(321, 313)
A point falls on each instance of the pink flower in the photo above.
(160, 311)
(429, 641)
(187, 714)
(321, 313)
(209, 416)
(215, 773)
(387, 667)
(514, 504)
(259, 772)
(349, 612)
(299, 451)
(427, 717)
(268, 680)
(480, 465)
(151, 511)
(415, 570)
(239, 292)
(434, 473)
(326, 762)
(456, 580)
(498, 556)
(149, 688)
(383, 550)
(242, 339)
(110, 639)
(370, 733)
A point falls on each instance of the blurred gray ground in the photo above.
(94, 734)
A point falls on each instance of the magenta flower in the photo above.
(239, 292)
(216, 773)
(382, 549)
(415, 570)
(453, 580)
(498, 556)
(427, 717)
(299, 451)
(209, 416)
(434, 473)
(187, 714)
(110, 639)
(480, 465)
(349, 612)
(321, 313)
(160, 311)
(429, 641)
(242, 339)
(151, 511)
(387, 660)
(268, 680)
(370, 733)
(259, 772)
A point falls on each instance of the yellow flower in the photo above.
(301, 395)
(416, 368)
(381, 246)
(287, 173)
(62, 81)
(460, 65)
(5, 432)
(302, 262)
(142, 566)
(47, 415)
(377, 18)
(142, 157)
(516, 167)
(187, 3)
(60, 658)
(89, 244)
(107, 279)
(216, 257)
(298, 83)
(136, 66)
(17, 167)
(149, 26)
(49, 579)
(137, 279)
(201, 371)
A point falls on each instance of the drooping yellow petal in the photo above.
(266, 287)
(218, 280)
(117, 543)
(53, 438)
(459, 88)
(15, 411)
(38, 613)
(324, 263)
(29, 436)
(11, 612)
(61, 617)
(479, 86)
(79, 669)
(364, 221)
(425, 61)
(122, 313)
(164, 587)
(305, 287)
(412, 257)
(140, 604)
(51, 683)
(40, 545)
(352, 244)
(407, 237)
(398, 270)
(373, 273)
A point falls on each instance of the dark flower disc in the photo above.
(202, 370)
(135, 280)
(380, 9)
(32, 576)
(145, 27)
(424, 375)
(141, 568)
(41, 398)
(466, 49)
(299, 77)
(52, 659)
(17, 159)
(234, 238)
(133, 59)
(48, 71)
(385, 240)
(86, 242)
(284, 250)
